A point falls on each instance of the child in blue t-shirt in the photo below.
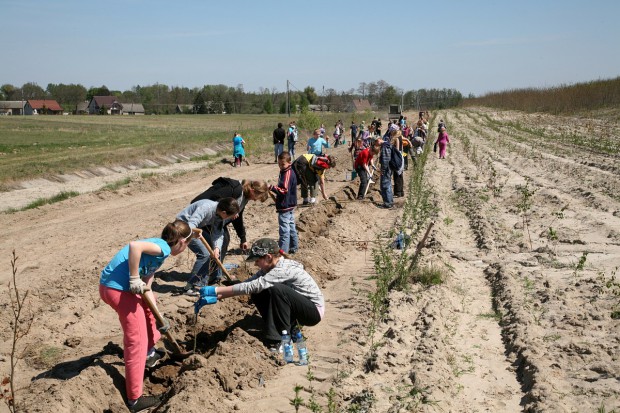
(126, 277)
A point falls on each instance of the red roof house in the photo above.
(42, 107)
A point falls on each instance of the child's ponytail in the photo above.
(174, 231)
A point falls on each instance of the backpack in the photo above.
(293, 135)
(301, 164)
(221, 188)
(396, 161)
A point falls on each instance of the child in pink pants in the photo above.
(442, 141)
(123, 281)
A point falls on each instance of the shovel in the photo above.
(216, 259)
(368, 184)
(338, 204)
(179, 353)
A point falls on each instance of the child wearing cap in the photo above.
(283, 292)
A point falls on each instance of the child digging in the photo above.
(122, 281)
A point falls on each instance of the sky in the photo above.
(469, 45)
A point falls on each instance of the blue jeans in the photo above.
(278, 148)
(386, 187)
(291, 149)
(203, 265)
(288, 241)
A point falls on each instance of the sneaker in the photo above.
(190, 289)
(274, 346)
(305, 201)
(312, 200)
(153, 360)
(144, 403)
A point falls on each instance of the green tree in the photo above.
(390, 95)
(310, 95)
(31, 90)
(9, 92)
(97, 91)
(199, 104)
(268, 106)
(68, 96)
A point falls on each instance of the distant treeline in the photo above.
(163, 99)
(563, 99)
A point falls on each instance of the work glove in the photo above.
(208, 296)
(165, 326)
(136, 285)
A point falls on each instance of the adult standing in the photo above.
(385, 154)
(399, 181)
(238, 149)
(353, 128)
(279, 134)
(378, 127)
(292, 138)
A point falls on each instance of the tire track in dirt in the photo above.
(555, 318)
(482, 375)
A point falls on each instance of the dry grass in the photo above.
(564, 99)
(41, 146)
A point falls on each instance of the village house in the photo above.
(112, 106)
(42, 107)
(358, 105)
(132, 109)
(11, 107)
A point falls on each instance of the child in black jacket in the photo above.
(286, 201)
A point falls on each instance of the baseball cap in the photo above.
(262, 247)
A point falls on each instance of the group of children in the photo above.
(393, 150)
(284, 294)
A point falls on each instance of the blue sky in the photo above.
(472, 46)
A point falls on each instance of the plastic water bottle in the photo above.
(302, 350)
(287, 347)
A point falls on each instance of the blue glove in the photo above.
(208, 291)
(207, 297)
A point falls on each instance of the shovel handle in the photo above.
(160, 320)
(216, 259)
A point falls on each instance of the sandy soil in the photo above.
(513, 328)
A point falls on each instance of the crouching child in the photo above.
(285, 295)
